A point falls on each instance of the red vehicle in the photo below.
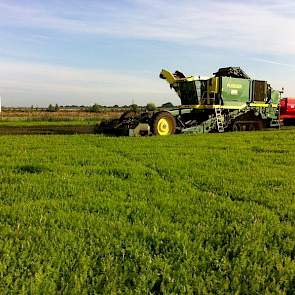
(287, 111)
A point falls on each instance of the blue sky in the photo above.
(111, 52)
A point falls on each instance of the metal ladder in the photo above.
(219, 120)
(275, 123)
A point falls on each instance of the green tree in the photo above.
(151, 107)
(167, 105)
(133, 107)
(96, 108)
(50, 108)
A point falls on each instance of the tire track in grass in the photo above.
(201, 188)
(239, 199)
(133, 160)
(149, 166)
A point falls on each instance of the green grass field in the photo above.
(198, 214)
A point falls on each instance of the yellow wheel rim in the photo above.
(164, 127)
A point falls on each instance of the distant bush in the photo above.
(96, 108)
(151, 107)
(167, 105)
(133, 107)
(52, 108)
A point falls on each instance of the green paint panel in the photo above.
(235, 91)
(275, 96)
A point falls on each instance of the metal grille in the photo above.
(259, 90)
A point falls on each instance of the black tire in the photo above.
(163, 123)
(251, 127)
(235, 127)
(259, 125)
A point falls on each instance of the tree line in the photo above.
(96, 108)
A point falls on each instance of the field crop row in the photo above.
(35, 118)
(199, 214)
(47, 123)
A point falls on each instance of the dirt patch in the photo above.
(27, 130)
(43, 115)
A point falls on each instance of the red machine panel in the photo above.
(287, 109)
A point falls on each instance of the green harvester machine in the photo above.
(228, 101)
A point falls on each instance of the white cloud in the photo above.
(273, 62)
(43, 84)
(261, 26)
